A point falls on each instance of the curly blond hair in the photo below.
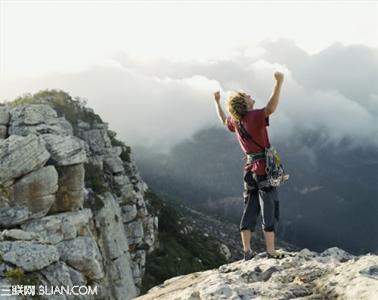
(236, 105)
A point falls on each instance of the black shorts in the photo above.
(259, 199)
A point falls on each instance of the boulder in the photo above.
(56, 228)
(33, 114)
(21, 155)
(18, 234)
(30, 256)
(36, 191)
(114, 165)
(37, 119)
(59, 274)
(13, 216)
(65, 150)
(82, 254)
(114, 247)
(97, 140)
(3, 131)
(129, 213)
(134, 231)
(70, 195)
(4, 115)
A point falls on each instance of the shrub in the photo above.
(94, 178)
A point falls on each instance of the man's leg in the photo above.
(246, 236)
(269, 210)
(269, 241)
(248, 221)
(250, 213)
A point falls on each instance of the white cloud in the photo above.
(160, 102)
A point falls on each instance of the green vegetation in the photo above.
(126, 150)
(94, 178)
(18, 276)
(15, 275)
(4, 191)
(180, 251)
(71, 109)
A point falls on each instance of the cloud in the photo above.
(158, 103)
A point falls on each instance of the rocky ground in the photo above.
(332, 274)
(226, 233)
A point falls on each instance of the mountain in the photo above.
(74, 210)
(329, 201)
(332, 274)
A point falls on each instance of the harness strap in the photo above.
(252, 157)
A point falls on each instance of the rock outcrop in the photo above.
(72, 208)
(333, 274)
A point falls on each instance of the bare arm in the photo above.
(221, 115)
(273, 101)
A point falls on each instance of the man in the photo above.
(249, 125)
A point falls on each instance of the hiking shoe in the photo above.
(275, 255)
(249, 255)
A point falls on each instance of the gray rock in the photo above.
(37, 119)
(4, 115)
(223, 249)
(58, 275)
(83, 125)
(97, 140)
(150, 232)
(128, 195)
(138, 261)
(112, 235)
(335, 253)
(70, 195)
(134, 231)
(33, 114)
(121, 180)
(36, 190)
(115, 151)
(12, 216)
(77, 278)
(30, 256)
(18, 234)
(82, 254)
(65, 150)
(56, 228)
(129, 213)
(311, 277)
(371, 271)
(119, 285)
(113, 165)
(60, 128)
(3, 131)
(114, 246)
(21, 155)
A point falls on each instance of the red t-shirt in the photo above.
(255, 122)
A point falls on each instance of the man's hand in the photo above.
(222, 116)
(273, 101)
(279, 77)
(217, 96)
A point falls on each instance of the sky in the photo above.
(149, 67)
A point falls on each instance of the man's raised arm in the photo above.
(221, 115)
(273, 101)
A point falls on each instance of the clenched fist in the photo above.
(217, 96)
(279, 77)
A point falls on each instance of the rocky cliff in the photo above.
(332, 274)
(72, 207)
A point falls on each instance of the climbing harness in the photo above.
(274, 170)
